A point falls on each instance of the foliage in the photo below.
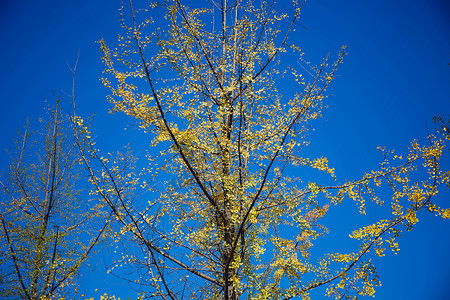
(46, 220)
(225, 210)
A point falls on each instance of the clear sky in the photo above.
(394, 80)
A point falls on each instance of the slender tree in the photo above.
(47, 221)
(229, 212)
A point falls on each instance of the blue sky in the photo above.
(395, 78)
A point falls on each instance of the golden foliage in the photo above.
(234, 222)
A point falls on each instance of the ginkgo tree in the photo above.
(218, 212)
(49, 226)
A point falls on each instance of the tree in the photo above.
(48, 224)
(225, 216)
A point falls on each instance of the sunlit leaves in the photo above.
(227, 219)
